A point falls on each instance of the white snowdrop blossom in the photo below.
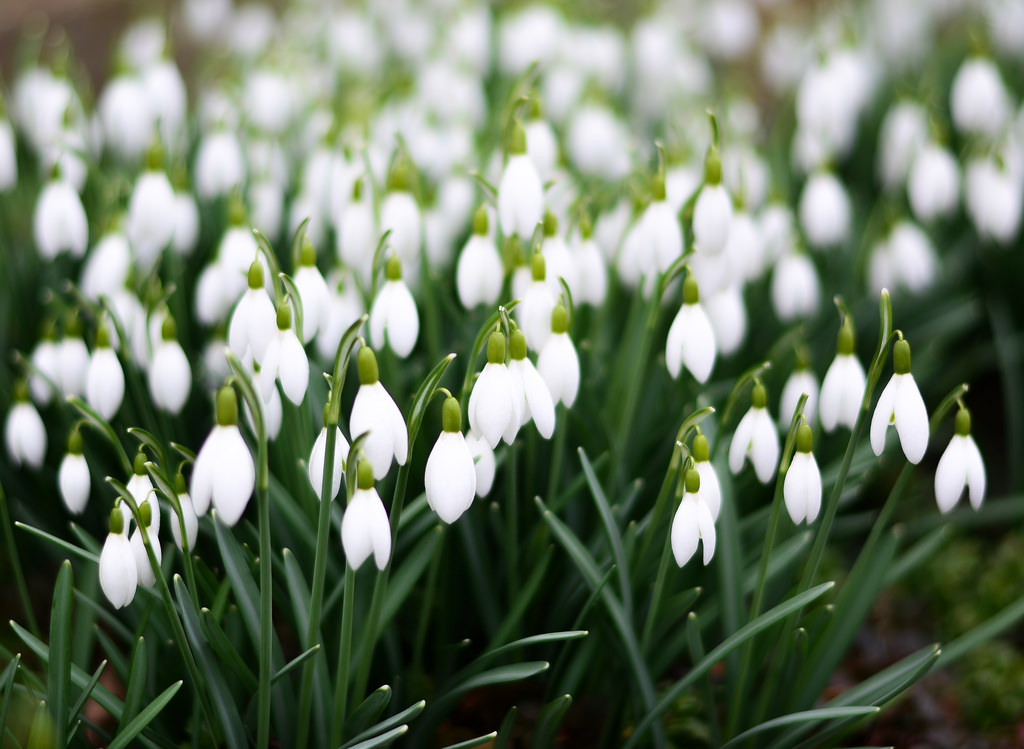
(104, 379)
(534, 311)
(712, 213)
(558, 260)
(692, 523)
(994, 199)
(801, 382)
(663, 229)
(592, 285)
(755, 438)
(186, 223)
(151, 214)
(375, 411)
(904, 131)
(710, 488)
(802, 486)
(146, 574)
(796, 290)
(365, 528)
(24, 432)
(312, 291)
(520, 193)
(140, 487)
(400, 215)
(8, 156)
(450, 477)
(933, 186)
(344, 307)
(824, 211)
(558, 362)
(317, 460)
(978, 99)
(220, 166)
(478, 273)
(224, 471)
(541, 145)
(843, 388)
(284, 360)
(727, 313)
(537, 403)
(357, 235)
(119, 575)
(900, 404)
(254, 320)
(170, 375)
(691, 340)
(960, 467)
(73, 477)
(59, 222)
(393, 316)
(45, 374)
(106, 267)
(126, 117)
(483, 462)
(73, 359)
(494, 408)
(744, 249)
(188, 515)
(904, 259)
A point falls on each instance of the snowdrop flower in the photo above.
(374, 411)
(188, 515)
(710, 491)
(691, 340)
(59, 222)
(170, 375)
(978, 99)
(933, 185)
(126, 117)
(45, 372)
(906, 258)
(146, 574)
(72, 358)
(495, 406)
(796, 290)
(842, 390)
(755, 438)
(534, 313)
(662, 227)
(557, 258)
(140, 487)
(960, 466)
(312, 290)
(8, 155)
(365, 528)
(520, 193)
(994, 200)
(478, 274)
(558, 363)
(119, 575)
(357, 234)
(104, 380)
(744, 248)
(344, 307)
(712, 213)
(802, 487)
(900, 404)
(224, 471)
(220, 166)
(537, 404)
(450, 478)
(541, 145)
(24, 432)
(483, 460)
(692, 523)
(106, 267)
(254, 320)
(400, 214)
(904, 131)
(824, 210)
(727, 313)
(284, 360)
(590, 264)
(151, 212)
(318, 456)
(186, 221)
(801, 382)
(73, 477)
(393, 316)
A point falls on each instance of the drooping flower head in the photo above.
(520, 193)
(712, 213)
(312, 290)
(493, 406)
(375, 411)
(24, 432)
(710, 488)
(534, 312)
(537, 403)
(755, 438)
(317, 459)
(146, 574)
(960, 467)
(284, 360)
(170, 376)
(450, 477)
(365, 528)
(478, 273)
(224, 471)
(104, 380)
(558, 362)
(802, 487)
(188, 515)
(692, 523)
(73, 477)
(393, 316)
(691, 339)
(901, 405)
(842, 390)
(119, 575)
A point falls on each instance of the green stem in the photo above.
(344, 658)
(511, 542)
(266, 593)
(633, 388)
(19, 575)
(557, 456)
(428, 604)
(656, 594)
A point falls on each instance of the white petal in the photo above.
(375, 412)
(365, 530)
(489, 405)
(104, 383)
(764, 447)
(269, 366)
(403, 323)
(794, 490)
(517, 398)
(539, 403)
(483, 460)
(975, 472)
(315, 469)
(699, 347)
(674, 343)
(741, 441)
(710, 489)
(294, 368)
(951, 474)
(706, 525)
(559, 365)
(170, 377)
(911, 419)
(236, 475)
(685, 530)
(801, 382)
(191, 522)
(118, 573)
(885, 411)
(74, 482)
(25, 435)
(450, 477)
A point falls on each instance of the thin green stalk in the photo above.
(266, 593)
(557, 455)
(511, 542)
(635, 384)
(428, 604)
(344, 658)
(656, 594)
(19, 575)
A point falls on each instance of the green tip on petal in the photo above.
(759, 396)
(366, 363)
(845, 342)
(538, 267)
(116, 521)
(284, 315)
(75, 442)
(146, 511)
(804, 438)
(692, 481)
(393, 269)
(451, 415)
(480, 221)
(963, 422)
(516, 139)
(139, 464)
(357, 190)
(21, 391)
(517, 345)
(901, 357)
(559, 320)
(365, 475)
(496, 348)
(658, 188)
(102, 335)
(691, 292)
(550, 224)
(179, 484)
(227, 407)
(701, 453)
(307, 255)
(536, 111)
(168, 329)
(712, 167)
(256, 275)
(73, 325)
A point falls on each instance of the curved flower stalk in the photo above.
(284, 360)
(365, 528)
(692, 523)
(558, 362)
(494, 409)
(24, 432)
(520, 193)
(537, 403)
(755, 438)
(900, 404)
(960, 467)
(119, 575)
(393, 316)
(104, 380)
(691, 339)
(73, 477)
(802, 487)
(170, 375)
(843, 388)
(450, 477)
(374, 412)
(224, 471)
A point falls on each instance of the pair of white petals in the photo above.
(755, 439)
(450, 479)
(224, 473)
(691, 341)
(104, 382)
(559, 365)
(365, 530)
(901, 405)
(25, 435)
(374, 411)
(520, 197)
(394, 319)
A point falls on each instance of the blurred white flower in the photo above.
(479, 272)
(24, 432)
(104, 379)
(978, 99)
(59, 223)
(344, 306)
(170, 375)
(219, 166)
(520, 193)
(534, 311)
(254, 320)
(727, 313)
(150, 225)
(796, 290)
(188, 514)
(691, 339)
(710, 491)
(106, 267)
(712, 218)
(904, 259)
(284, 360)
(312, 290)
(903, 134)
(663, 229)
(800, 382)
(73, 477)
(8, 156)
(994, 200)
(933, 185)
(842, 390)
(128, 121)
(825, 212)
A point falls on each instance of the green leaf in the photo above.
(296, 662)
(408, 573)
(225, 650)
(136, 683)
(502, 675)
(126, 735)
(548, 637)
(749, 630)
(58, 674)
(388, 723)
(82, 698)
(383, 740)
(7, 688)
(147, 439)
(545, 730)
(985, 631)
(296, 300)
(478, 741)
(101, 425)
(501, 741)
(243, 585)
(60, 543)
(527, 592)
(805, 717)
(370, 710)
(611, 530)
(917, 554)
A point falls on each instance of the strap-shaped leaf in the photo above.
(807, 717)
(369, 710)
(58, 673)
(388, 723)
(126, 735)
